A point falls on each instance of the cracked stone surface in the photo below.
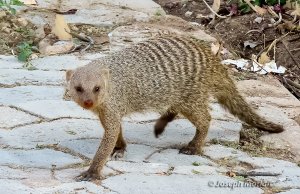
(46, 141)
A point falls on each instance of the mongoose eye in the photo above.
(79, 89)
(96, 89)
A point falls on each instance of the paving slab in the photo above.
(22, 94)
(53, 109)
(138, 167)
(55, 132)
(292, 191)
(174, 158)
(62, 62)
(13, 187)
(217, 152)
(198, 170)
(9, 62)
(45, 158)
(139, 183)
(10, 117)
(11, 77)
(76, 187)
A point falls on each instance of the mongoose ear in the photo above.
(69, 74)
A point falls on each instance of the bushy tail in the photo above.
(229, 97)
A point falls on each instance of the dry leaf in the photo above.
(216, 5)
(257, 9)
(291, 4)
(264, 58)
(29, 2)
(296, 12)
(61, 27)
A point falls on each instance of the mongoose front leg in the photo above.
(112, 126)
(163, 121)
(120, 147)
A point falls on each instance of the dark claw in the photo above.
(118, 153)
(88, 176)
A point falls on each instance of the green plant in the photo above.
(7, 4)
(25, 50)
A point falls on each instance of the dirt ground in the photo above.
(232, 31)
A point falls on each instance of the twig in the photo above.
(277, 22)
(208, 6)
(291, 87)
(83, 38)
(253, 173)
(291, 55)
(294, 50)
(292, 83)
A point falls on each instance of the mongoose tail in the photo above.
(229, 97)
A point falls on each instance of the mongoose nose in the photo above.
(88, 103)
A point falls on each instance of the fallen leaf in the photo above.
(264, 58)
(296, 12)
(216, 5)
(61, 27)
(249, 43)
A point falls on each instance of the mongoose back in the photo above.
(173, 74)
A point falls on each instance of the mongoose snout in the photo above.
(88, 104)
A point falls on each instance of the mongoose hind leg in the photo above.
(163, 121)
(200, 117)
(120, 147)
(112, 125)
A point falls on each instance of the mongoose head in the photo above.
(88, 87)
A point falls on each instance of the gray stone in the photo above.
(65, 109)
(12, 77)
(45, 158)
(55, 132)
(138, 167)
(217, 152)
(9, 62)
(173, 158)
(63, 62)
(224, 130)
(86, 147)
(10, 117)
(262, 162)
(68, 175)
(76, 187)
(292, 191)
(137, 153)
(198, 170)
(22, 94)
(139, 183)
(13, 187)
(92, 56)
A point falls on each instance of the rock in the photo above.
(14, 186)
(67, 109)
(13, 77)
(11, 118)
(45, 158)
(258, 20)
(188, 14)
(59, 63)
(173, 158)
(59, 47)
(198, 170)
(22, 22)
(135, 183)
(292, 191)
(58, 132)
(139, 167)
(217, 152)
(6, 30)
(22, 94)
(9, 62)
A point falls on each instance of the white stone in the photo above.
(217, 152)
(55, 132)
(54, 109)
(10, 117)
(292, 191)
(138, 167)
(12, 77)
(76, 187)
(45, 158)
(9, 62)
(63, 62)
(23, 94)
(198, 170)
(133, 183)
(188, 14)
(173, 158)
(14, 186)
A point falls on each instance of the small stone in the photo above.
(89, 30)
(188, 14)
(258, 20)
(22, 22)
(6, 30)
(2, 14)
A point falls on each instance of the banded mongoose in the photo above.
(174, 74)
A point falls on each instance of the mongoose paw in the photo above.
(88, 175)
(118, 154)
(190, 150)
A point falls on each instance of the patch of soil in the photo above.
(233, 33)
(13, 31)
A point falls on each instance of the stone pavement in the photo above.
(46, 141)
